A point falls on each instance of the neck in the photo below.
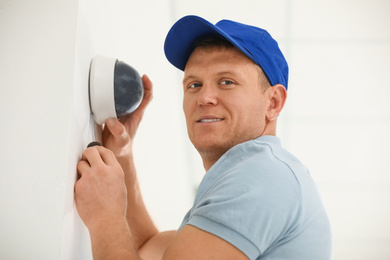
(210, 158)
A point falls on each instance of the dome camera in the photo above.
(115, 88)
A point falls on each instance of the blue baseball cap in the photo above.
(254, 42)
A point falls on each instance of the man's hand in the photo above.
(101, 200)
(100, 192)
(118, 135)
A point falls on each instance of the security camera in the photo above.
(115, 88)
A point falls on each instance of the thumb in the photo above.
(117, 129)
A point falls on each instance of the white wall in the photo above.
(339, 116)
(36, 83)
(336, 121)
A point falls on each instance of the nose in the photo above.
(207, 96)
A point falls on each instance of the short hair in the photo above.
(221, 42)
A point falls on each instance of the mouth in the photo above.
(209, 120)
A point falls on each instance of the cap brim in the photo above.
(184, 34)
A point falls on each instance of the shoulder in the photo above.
(261, 165)
(239, 196)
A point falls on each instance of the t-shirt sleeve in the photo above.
(251, 207)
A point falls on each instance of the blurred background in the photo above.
(336, 120)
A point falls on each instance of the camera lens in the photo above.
(128, 89)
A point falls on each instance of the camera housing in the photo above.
(115, 88)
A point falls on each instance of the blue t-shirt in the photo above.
(262, 200)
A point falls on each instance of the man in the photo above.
(256, 201)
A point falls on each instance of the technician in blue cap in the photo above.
(256, 200)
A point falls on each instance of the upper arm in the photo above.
(193, 243)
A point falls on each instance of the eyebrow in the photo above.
(188, 77)
(224, 72)
(227, 72)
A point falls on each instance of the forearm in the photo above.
(138, 218)
(112, 239)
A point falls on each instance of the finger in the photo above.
(148, 91)
(92, 156)
(82, 167)
(117, 129)
(148, 85)
(106, 155)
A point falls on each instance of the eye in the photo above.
(194, 85)
(227, 82)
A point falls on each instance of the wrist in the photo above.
(129, 170)
(104, 224)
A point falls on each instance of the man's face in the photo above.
(223, 102)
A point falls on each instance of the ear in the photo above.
(277, 97)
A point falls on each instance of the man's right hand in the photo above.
(118, 135)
